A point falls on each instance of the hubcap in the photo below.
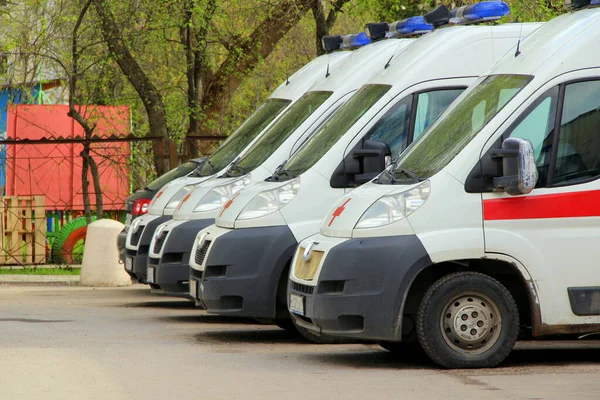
(471, 323)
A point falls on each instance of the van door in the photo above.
(554, 231)
(406, 120)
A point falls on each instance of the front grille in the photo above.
(135, 236)
(303, 288)
(160, 240)
(201, 252)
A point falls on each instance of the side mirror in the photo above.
(362, 164)
(520, 172)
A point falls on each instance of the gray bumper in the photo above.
(172, 270)
(243, 272)
(121, 239)
(140, 257)
(361, 288)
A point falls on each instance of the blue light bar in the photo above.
(484, 11)
(354, 41)
(409, 26)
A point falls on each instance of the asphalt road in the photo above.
(83, 343)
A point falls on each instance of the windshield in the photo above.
(238, 140)
(279, 132)
(173, 174)
(449, 135)
(332, 131)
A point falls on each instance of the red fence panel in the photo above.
(54, 170)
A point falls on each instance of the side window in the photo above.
(430, 105)
(537, 126)
(578, 155)
(392, 128)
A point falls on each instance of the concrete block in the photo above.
(100, 266)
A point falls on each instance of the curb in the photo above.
(70, 279)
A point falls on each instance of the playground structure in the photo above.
(42, 213)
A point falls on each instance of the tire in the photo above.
(467, 320)
(66, 239)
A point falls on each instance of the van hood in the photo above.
(228, 214)
(343, 216)
(185, 210)
(162, 198)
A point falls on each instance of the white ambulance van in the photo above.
(166, 200)
(485, 229)
(170, 249)
(241, 263)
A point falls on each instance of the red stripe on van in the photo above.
(560, 205)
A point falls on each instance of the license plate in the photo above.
(297, 304)
(128, 220)
(129, 263)
(150, 276)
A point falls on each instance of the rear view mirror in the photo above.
(520, 172)
(362, 164)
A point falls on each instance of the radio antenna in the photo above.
(518, 52)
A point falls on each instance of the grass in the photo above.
(40, 271)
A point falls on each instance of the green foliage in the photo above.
(38, 37)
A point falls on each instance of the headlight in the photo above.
(270, 201)
(218, 196)
(177, 197)
(394, 207)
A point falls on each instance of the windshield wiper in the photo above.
(212, 167)
(235, 167)
(409, 174)
(280, 170)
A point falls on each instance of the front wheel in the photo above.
(467, 320)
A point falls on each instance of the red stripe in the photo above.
(561, 205)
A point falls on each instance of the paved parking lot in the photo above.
(61, 342)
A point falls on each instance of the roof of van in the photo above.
(365, 61)
(566, 43)
(454, 51)
(297, 84)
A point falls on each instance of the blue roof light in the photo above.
(409, 26)
(484, 11)
(354, 41)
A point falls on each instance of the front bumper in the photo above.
(121, 240)
(360, 290)
(171, 272)
(140, 256)
(243, 272)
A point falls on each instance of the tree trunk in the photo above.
(243, 56)
(325, 23)
(150, 96)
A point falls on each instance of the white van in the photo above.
(242, 262)
(485, 229)
(168, 262)
(166, 200)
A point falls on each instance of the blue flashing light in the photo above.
(354, 41)
(595, 3)
(484, 11)
(409, 26)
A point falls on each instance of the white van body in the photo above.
(166, 200)
(535, 254)
(176, 236)
(448, 59)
